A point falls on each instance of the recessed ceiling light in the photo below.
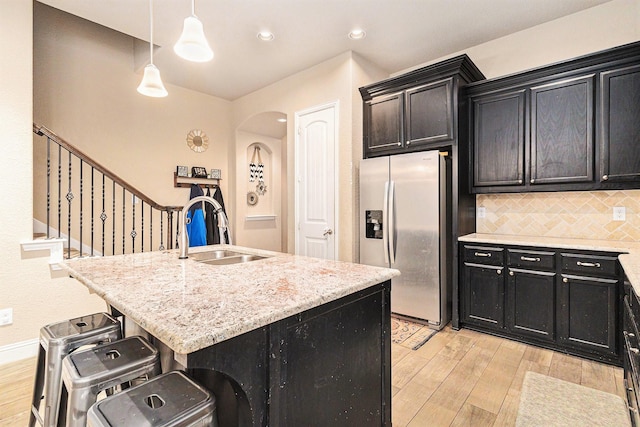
(357, 34)
(265, 36)
(282, 120)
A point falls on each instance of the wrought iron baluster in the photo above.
(133, 221)
(48, 182)
(142, 226)
(69, 200)
(81, 203)
(170, 229)
(59, 191)
(92, 213)
(123, 217)
(113, 221)
(161, 233)
(150, 227)
(103, 215)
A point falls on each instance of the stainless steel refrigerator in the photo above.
(403, 225)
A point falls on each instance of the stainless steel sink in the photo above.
(213, 255)
(237, 259)
(224, 257)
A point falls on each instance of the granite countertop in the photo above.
(629, 251)
(190, 305)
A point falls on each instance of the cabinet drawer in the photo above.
(590, 264)
(532, 259)
(484, 255)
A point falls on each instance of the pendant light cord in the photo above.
(193, 7)
(151, 30)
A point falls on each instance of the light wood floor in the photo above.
(456, 378)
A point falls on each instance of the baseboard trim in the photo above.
(18, 351)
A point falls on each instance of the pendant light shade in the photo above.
(193, 45)
(151, 84)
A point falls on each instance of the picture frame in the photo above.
(182, 171)
(216, 173)
(198, 172)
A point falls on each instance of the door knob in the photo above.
(327, 231)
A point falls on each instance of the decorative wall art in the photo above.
(256, 170)
(197, 140)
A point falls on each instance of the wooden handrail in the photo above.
(44, 131)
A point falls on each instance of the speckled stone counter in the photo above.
(190, 305)
(629, 258)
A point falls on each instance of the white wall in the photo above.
(25, 281)
(332, 80)
(601, 27)
(265, 233)
(85, 91)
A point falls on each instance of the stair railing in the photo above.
(117, 211)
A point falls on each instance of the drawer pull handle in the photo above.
(484, 254)
(529, 258)
(630, 334)
(588, 264)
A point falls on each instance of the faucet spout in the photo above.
(223, 223)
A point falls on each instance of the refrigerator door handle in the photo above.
(385, 223)
(391, 226)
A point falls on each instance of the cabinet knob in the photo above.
(532, 180)
(408, 143)
(499, 271)
(565, 280)
(399, 144)
(511, 273)
(605, 177)
(519, 181)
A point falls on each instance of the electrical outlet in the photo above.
(619, 213)
(6, 316)
(482, 212)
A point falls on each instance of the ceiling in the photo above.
(399, 33)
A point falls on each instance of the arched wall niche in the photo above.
(260, 204)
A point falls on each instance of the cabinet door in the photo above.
(620, 130)
(562, 131)
(483, 295)
(383, 130)
(498, 139)
(587, 314)
(531, 303)
(430, 113)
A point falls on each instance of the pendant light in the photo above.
(151, 84)
(193, 45)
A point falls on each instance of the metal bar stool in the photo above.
(88, 372)
(57, 340)
(168, 400)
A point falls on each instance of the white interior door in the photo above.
(316, 233)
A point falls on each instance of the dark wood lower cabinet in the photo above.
(531, 303)
(483, 295)
(532, 296)
(589, 314)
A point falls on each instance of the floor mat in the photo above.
(548, 401)
(410, 334)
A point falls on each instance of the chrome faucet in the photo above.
(223, 223)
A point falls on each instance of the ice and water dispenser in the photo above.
(374, 224)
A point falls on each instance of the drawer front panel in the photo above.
(483, 255)
(532, 259)
(590, 265)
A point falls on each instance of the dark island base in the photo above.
(330, 365)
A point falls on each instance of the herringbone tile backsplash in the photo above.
(579, 214)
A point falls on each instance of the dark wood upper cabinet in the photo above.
(384, 123)
(562, 131)
(580, 126)
(415, 111)
(430, 113)
(498, 139)
(620, 118)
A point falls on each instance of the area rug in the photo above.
(410, 334)
(548, 401)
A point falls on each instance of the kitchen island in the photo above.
(284, 340)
